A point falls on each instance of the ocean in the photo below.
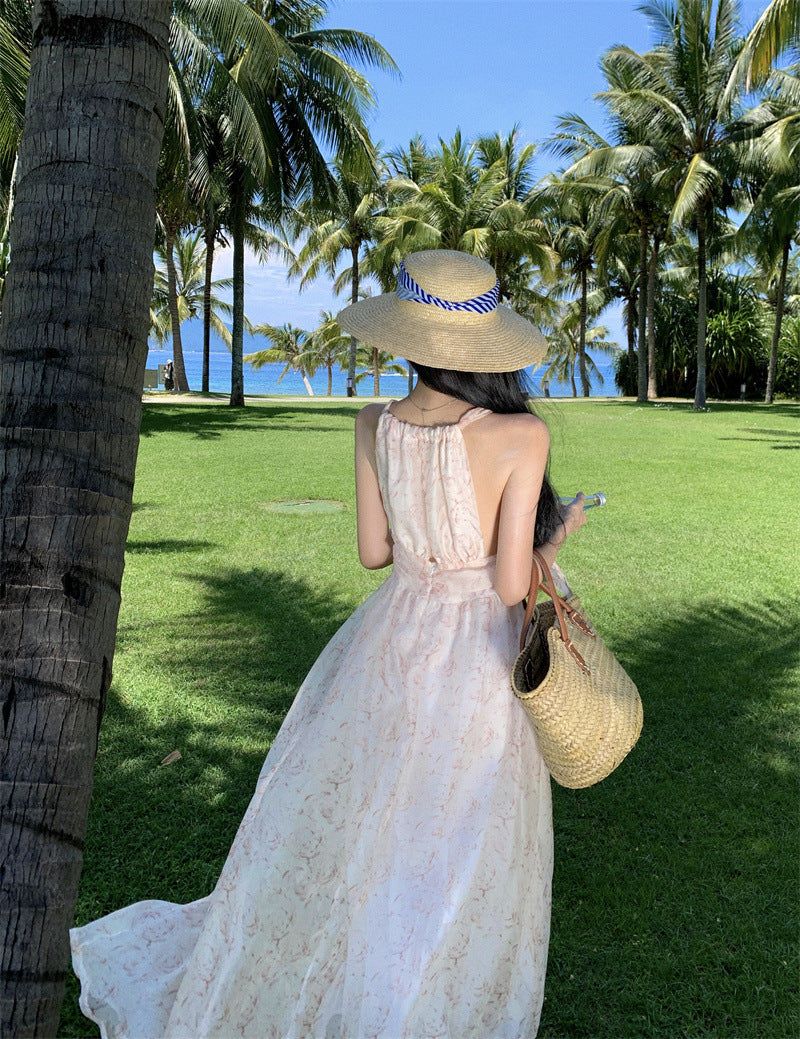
(265, 380)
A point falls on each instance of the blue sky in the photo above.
(483, 66)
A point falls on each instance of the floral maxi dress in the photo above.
(391, 876)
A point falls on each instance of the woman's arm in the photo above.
(531, 444)
(572, 518)
(374, 536)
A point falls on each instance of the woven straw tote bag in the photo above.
(585, 709)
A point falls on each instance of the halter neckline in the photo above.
(470, 415)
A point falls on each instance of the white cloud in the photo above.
(271, 298)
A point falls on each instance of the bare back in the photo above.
(506, 456)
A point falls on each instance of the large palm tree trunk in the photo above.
(73, 346)
(641, 333)
(376, 373)
(700, 385)
(582, 340)
(776, 330)
(351, 367)
(237, 331)
(210, 237)
(181, 382)
(652, 383)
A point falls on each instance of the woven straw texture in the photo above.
(585, 724)
(499, 341)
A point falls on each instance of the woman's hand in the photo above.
(572, 516)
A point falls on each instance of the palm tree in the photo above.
(413, 164)
(209, 187)
(190, 269)
(517, 231)
(73, 345)
(328, 348)
(286, 84)
(638, 200)
(770, 165)
(476, 198)
(405, 169)
(290, 347)
(200, 31)
(386, 364)
(768, 233)
(314, 94)
(564, 349)
(621, 276)
(219, 140)
(775, 32)
(341, 223)
(678, 92)
(577, 229)
(174, 214)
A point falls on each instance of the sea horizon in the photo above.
(268, 381)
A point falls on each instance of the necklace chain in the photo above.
(438, 407)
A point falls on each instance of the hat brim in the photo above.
(500, 341)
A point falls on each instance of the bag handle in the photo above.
(561, 607)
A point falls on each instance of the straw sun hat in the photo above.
(444, 314)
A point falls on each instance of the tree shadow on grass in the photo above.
(756, 434)
(674, 897)
(750, 409)
(211, 421)
(168, 545)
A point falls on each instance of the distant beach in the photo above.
(265, 380)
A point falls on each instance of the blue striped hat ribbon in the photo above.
(408, 289)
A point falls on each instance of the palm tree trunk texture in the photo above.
(652, 385)
(181, 382)
(73, 347)
(776, 331)
(209, 235)
(330, 381)
(582, 341)
(376, 373)
(237, 331)
(641, 335)
(700, 386)
(351, 366)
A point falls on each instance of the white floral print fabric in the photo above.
(391, 877)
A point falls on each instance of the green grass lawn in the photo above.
(675, 908)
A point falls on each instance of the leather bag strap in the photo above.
(530, 602)
(541, 577)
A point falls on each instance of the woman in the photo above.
(391, 877)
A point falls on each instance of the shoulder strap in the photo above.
(472, 415)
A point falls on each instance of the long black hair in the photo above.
(506, 393)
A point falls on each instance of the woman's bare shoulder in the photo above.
(367, 418)
(521, 428)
